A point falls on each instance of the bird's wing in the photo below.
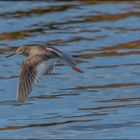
(51, 63)
(65, 58)
(30, 72)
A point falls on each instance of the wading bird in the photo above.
(40, 60)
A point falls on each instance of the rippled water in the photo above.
(104, 102)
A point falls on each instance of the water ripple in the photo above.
(103, 102)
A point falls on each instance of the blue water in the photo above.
(102, 103)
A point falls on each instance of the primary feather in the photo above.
(31, 70)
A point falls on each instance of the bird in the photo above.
(40, 60)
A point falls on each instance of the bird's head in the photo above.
(21, 50)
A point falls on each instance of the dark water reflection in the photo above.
(104, 102)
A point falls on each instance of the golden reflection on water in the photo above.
(13, 36)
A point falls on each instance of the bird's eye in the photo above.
(19, 51)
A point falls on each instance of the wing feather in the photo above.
(67, 59)
(30, 72)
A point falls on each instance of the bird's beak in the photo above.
(10, 55)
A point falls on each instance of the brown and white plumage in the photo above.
(40, 60)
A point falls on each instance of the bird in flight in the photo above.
(40, 60)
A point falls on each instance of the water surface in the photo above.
(104, 102)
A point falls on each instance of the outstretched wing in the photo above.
(65, 58)
(30, 72)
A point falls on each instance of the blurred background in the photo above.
(104, 102)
